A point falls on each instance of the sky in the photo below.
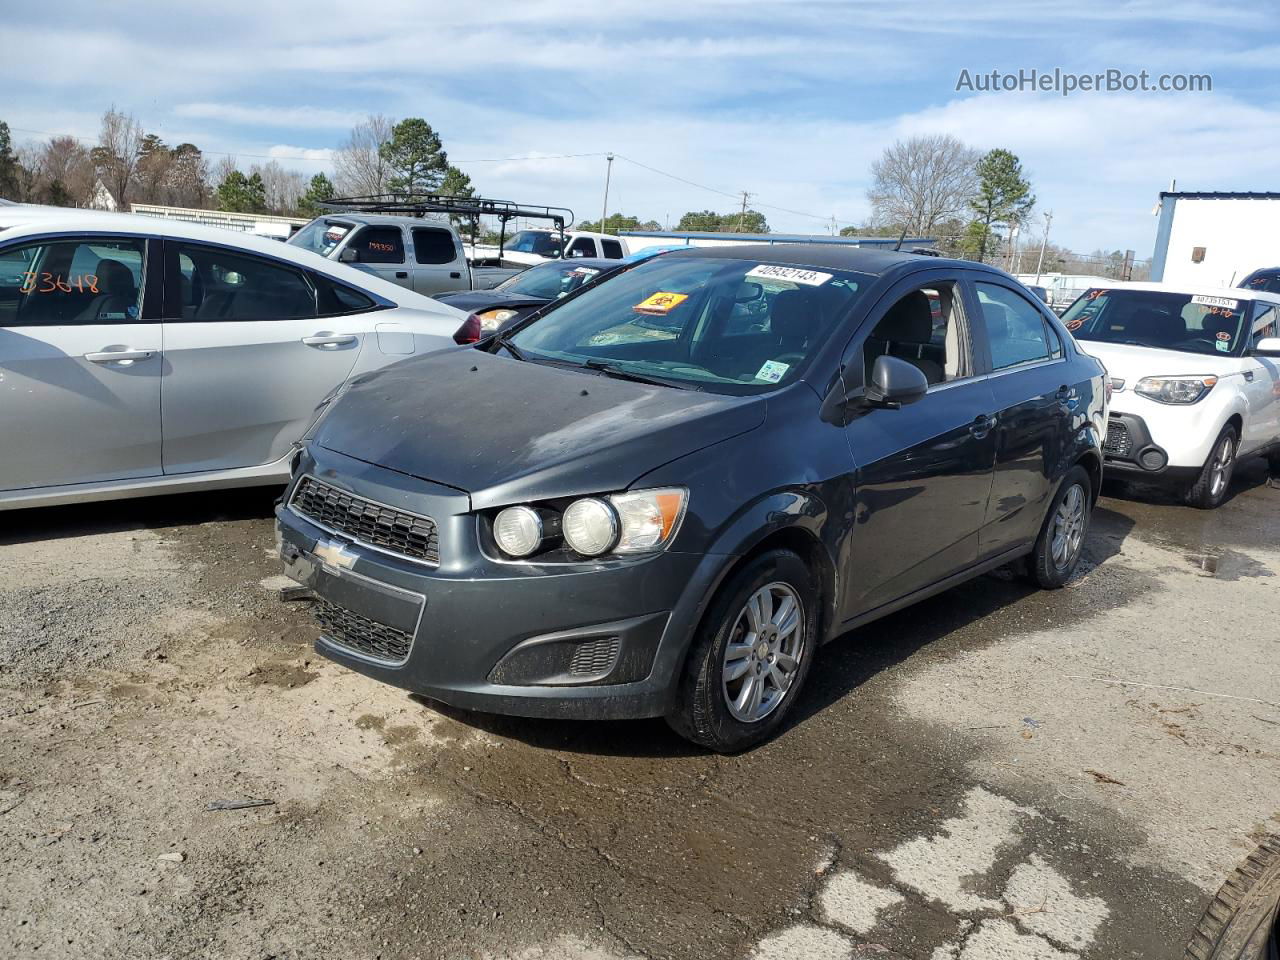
(791, 101)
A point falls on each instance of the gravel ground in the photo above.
(996, 772)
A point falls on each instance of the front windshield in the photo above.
(1191, 323)
(728, 326)
(549, 281)
(321, 235)
(534, 241)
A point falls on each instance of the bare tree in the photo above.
(921, 182)
(284, 188)
(66, 171)
(117, 153)
(358, 163)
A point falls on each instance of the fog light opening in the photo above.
(1152, 459)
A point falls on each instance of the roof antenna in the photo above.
(902, 236)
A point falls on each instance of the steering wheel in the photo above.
(1199, 341)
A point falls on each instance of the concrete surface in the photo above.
(996, 773)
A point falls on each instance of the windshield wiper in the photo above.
(503, 340)
(609, 370)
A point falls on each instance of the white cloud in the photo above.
(301, 117)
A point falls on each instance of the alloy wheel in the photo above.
(1068, 527)
(1220, 472)
(762, 658)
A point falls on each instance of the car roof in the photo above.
(27, 221)
(828, 256)
(1195, 289)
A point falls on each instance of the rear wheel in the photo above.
(1210, 487)
(1241, 922)
(751, 655)
(1062, 535)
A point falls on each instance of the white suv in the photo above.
(1195, 374)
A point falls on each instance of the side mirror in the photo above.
(349, 255)
(1267, 347)
(895, 382)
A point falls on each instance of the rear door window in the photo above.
(1016, 330)
(220, 285)
(612, 249)
(380, 245)
(433, 246)
(72, 282)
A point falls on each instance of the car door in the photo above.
(80, 361)
(1262, 382)
(248, 357)
(1036, 403)
(380, 250)
(438, 262)
(924, 470)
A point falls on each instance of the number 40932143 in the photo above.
(53, 282)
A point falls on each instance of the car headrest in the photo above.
(793, 314)
(910, 320)
(1216, 323)
(114, 277)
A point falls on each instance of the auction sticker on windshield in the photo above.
(768, 271)
(660, 304)
(1216, 302)
(772, 371)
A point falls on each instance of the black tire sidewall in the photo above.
(1199, 493)
(700, 713)
(1043, 570)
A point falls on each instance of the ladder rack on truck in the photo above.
(421, 204)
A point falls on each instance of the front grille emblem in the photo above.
(331, 553)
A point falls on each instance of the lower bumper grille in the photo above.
(360, 634)
(595, 657)
(373, 524)
(1118, 443)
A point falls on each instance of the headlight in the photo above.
(1175, 389)
(649, 518)
(491, 320)
(518, 531)
(590, 527)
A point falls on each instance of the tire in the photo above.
(1049, 565)
(1241, 923)
(703, 712)
(1211, 486)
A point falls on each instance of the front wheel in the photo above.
(1062, 535)
(751, 655)
(1210, 487)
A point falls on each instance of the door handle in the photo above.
(1064, 393)
(982, 425)
(118, 356)
(1248, 376)
(402, 274)
(323, 340)
(455, 275)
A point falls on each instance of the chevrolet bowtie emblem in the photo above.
(333, 554)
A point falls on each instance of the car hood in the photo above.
(475, 301)
(503, 430)
(1130, 364)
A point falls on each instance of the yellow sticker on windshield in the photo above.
(660, 303)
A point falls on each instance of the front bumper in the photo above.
(1129, 450)
(598, 640)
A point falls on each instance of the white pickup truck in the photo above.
(531, 247)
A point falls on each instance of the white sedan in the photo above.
(141, 356)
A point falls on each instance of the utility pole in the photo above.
(742, 217)
(604, 212)
(1048, 220)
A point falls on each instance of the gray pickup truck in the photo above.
(424, 255)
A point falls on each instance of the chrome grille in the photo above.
(1118, 442)
(373, 524)
(369, 637)
(594, 657)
